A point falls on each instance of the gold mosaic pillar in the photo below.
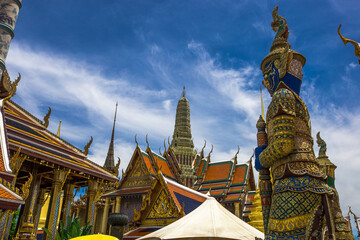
(26, 229)
(90, 207)
(68, 197)
(5, 224)
(54, 206)
(37, 209)
(105, 216)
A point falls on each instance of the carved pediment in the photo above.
(162, 208)
(138, 176)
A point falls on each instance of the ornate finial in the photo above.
(46, 118)
(237, 151)
(160, 151)
(204, 145)
(122, 172)
(322, 144)
(345, 41)
(279, 26)
(87, 146)
(116, 168)
(184, 91)
(16, 161)
(147, 142)
(212, 148)
(8, 88)
(169, 141)
(26, 187)
(136, 140)
(58, 131)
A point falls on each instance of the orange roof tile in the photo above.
(199, 171)
(147, 162)
(5, 193)
(218, 171)
(163, 165)
(236, 189)
(217, 192)
(213, 186)
(240, 174)
(232, 197)
(250, 197)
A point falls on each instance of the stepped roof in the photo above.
(26, 131)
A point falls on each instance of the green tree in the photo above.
(71, 230)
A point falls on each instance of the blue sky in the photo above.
(80, 57)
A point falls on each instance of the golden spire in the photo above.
(58, 132)
(262, 104)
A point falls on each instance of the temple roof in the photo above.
(184, 196)
(9, 199)
(219, 171)
(27, 132)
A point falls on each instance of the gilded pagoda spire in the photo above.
(109, 162)
(182, 139)
(182, 142)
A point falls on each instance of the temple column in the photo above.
(90, 208)
(117, 205)
(5, 224)
(54, 205)
(26, 227)
(105, 216)
(37, 210)
(77, 212)
(237, 209)
(68, 197)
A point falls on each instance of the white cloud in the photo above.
(59, 80)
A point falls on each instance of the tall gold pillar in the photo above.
(26, 227)
(237, 209)
(105, 216)
(68, 197)
(54, 205)
(90, 207)
(117, 205)
(37, 209)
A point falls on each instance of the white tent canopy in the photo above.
(209, 221)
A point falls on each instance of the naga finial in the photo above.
(87, 146)
(116, 168)
(169, 141)
(147, 142)
(279, 26)
(345, 41)
(184, 91)
(160, 151)
(322, 144)
(204, 145)
(136, 140)
(46, 118)
(25, 189)
(237, 151)
(212, 148)
(8, 88)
